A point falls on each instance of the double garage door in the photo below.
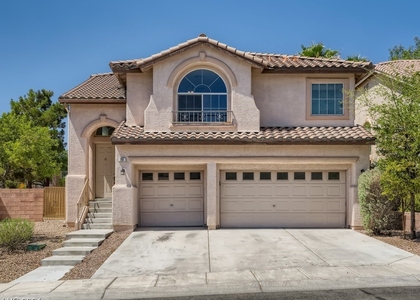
(282, 199)
(247, 198)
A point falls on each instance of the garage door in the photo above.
(282, 199)
(171, 198)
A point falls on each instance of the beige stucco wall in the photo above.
(213, 158)
(168, 73)
(83, 120)
(282, 99)
(139, 89)
(368, 93)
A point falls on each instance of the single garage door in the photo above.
(171, 198)
(283, 199)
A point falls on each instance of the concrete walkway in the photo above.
(216, 283)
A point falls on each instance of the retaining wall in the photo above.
(22, 203)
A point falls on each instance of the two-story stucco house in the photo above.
(203, 134)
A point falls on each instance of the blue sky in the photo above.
(56, 45)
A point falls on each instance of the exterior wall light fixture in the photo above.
(123, 159)
(122, 172)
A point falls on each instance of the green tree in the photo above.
(318, 50)
(38, 107)
(400, 52)
(32, 139)
(396, 123)
(357, 57)
(28, 152)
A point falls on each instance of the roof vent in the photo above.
(202, 35)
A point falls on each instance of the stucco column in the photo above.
(211, 192)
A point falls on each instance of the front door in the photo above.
(105, 168)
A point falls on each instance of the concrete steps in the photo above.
(70, 251)
(62, 260)
(96, 228)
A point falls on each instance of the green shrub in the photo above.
(378, 211)
(15, 233)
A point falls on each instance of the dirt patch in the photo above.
(17, 264)
(395, 238)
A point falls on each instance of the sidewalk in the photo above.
(216, 283)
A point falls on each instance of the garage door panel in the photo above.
(248, 190)
(299, 205)
(148, 205)
(171, 199)
(195, 190)
(335, 190)
(147, 191)
(282, 206)
(282, 190)
(316, 205)
(230, 190)
(335, 206)
(163, 204)
(248, 205)
(179, 190)
(286, 202)
(171, 219)
(250, 220)
(299, 190)
(163, 191)
(265, 205)
(265, 190)
(195, 204)
(316, 191)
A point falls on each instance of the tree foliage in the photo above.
(378, 212)
(400, 52)
(357, 57)
(318, 50)
(396, 123)
(38, 108)
(32, 144)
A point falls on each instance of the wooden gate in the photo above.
(54, 203)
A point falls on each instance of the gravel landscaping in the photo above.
(14, 265)
(52, 233)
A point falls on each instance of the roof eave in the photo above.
(133, 141)
(92, 100)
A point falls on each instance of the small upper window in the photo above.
(202, 98)
(327, 99)
(104, 131)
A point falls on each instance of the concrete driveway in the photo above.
(305, 253)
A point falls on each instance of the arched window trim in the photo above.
(195, 106)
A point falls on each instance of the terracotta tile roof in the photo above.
(399, 67)
(279, 61)
(263, 60)
(272, 135)
(98, 86)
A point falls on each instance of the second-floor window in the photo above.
(202, 98)
(327, 99)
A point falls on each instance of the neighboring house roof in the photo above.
(269, 135)
(266, 61)
(404, 67)
(399, 67)
(99, 86)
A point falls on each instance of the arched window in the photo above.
(104, 131)
(202, 97)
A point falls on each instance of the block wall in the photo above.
(22, 203)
